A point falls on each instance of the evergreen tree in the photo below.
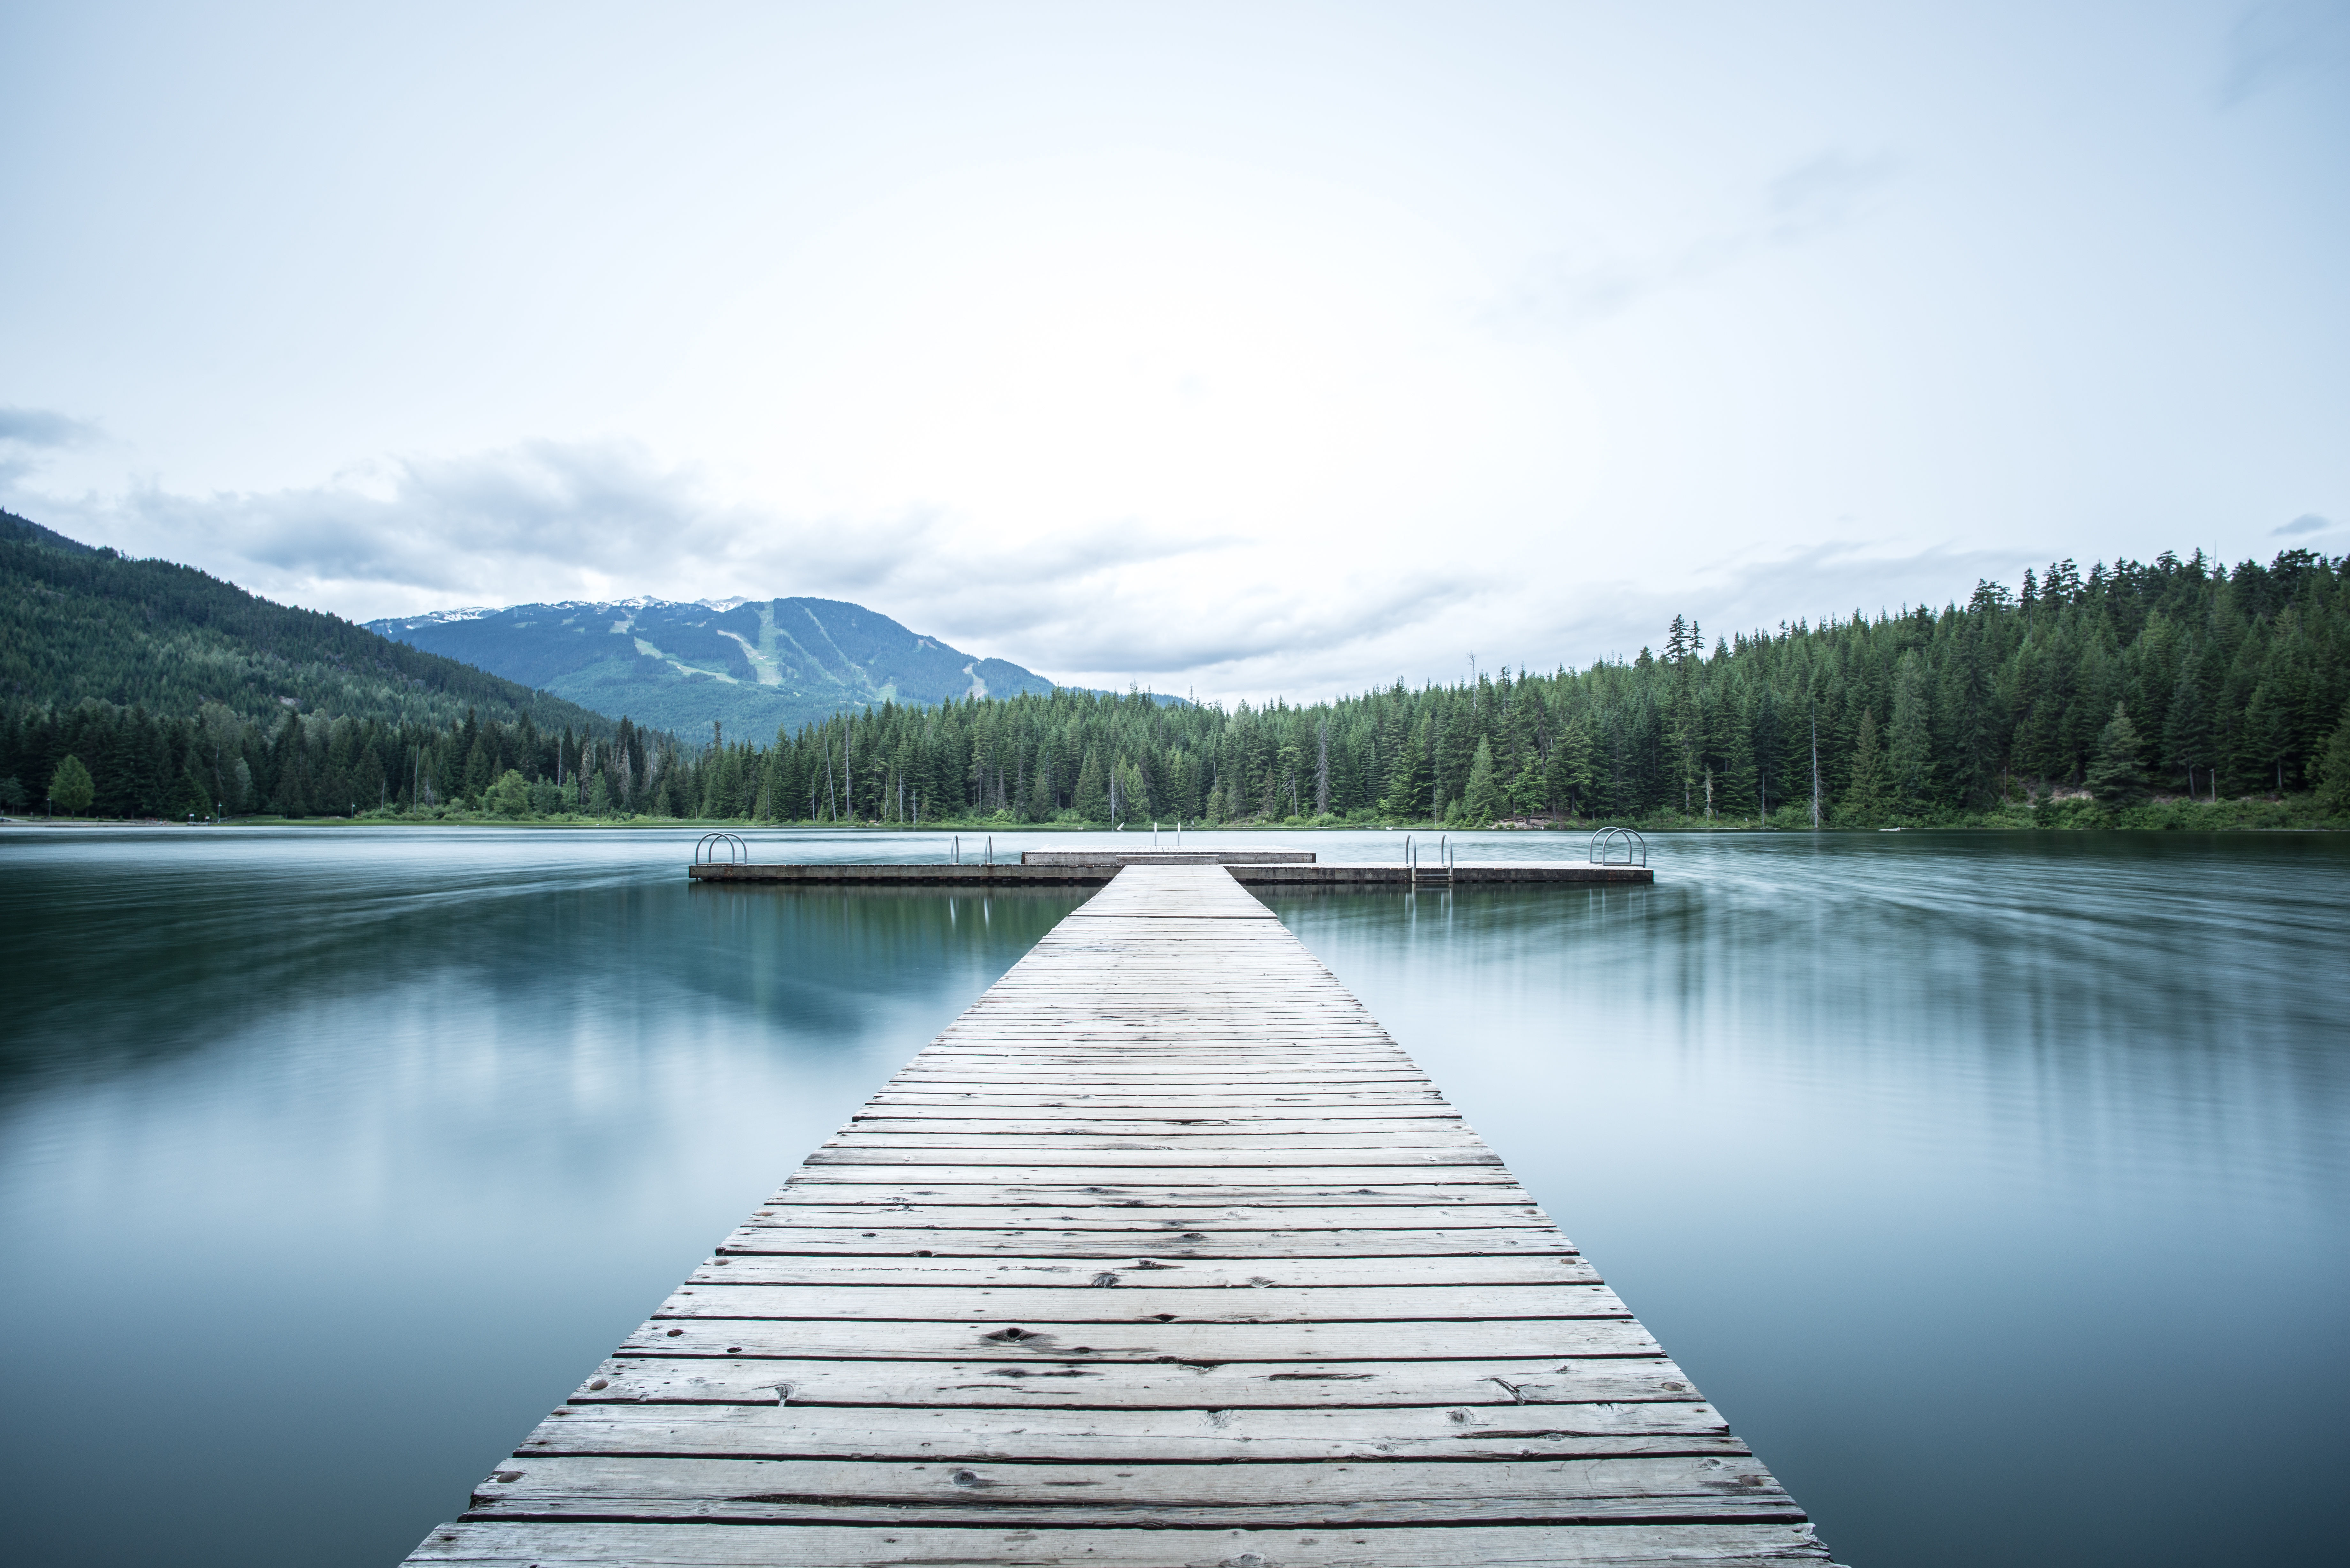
(478, 766)
(1481, 797)
(2332, 769)
(2117, 774)
(1456, 750)
(70, 787)
(1091, 798)
(1409, 774)
(1570, 767)
(1909, 745)
(1866, 795)
(291, 797)
(2189, 735)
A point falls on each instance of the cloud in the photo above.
(44, 428)
(1588, 280)
(1230, 614)
(2307, 523)
(1824, 193)
(551, 520)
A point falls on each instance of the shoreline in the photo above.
(2072, 821)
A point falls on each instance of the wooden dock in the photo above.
(1292, 869)
(1164, 1255)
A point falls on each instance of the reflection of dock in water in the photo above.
(1295, 868)
(1164, 1253)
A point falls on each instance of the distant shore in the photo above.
(2068, 814)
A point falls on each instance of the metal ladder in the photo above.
(1441, 870)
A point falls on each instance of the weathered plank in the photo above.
(1035, 1213)
(777, 1428)
(1458, 1383)
(1136, 1154)
(1205, 1274)
(1049, 1241)
(1149, 1204)
(1135, 1303)
(1038, 1339)
(1392, 1170)
(1182, 1140)
(528, 1545)
(1715, 1487)
(1288, 1103)
(1162, 1254)
(1283, 1126)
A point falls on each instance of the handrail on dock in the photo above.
(1604, 845)
(737, 851)
(1440, 872)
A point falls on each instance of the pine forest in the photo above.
(2172, 693)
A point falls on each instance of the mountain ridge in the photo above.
(685, 665)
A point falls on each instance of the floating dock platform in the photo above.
(1163, 1256)
(1284, 867)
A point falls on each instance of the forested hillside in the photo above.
(88, 623)
(2077, 697)
(145, 663)
(2117, 684)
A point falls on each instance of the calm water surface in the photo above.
(1995, 1186)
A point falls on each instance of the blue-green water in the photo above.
(1994, 1186)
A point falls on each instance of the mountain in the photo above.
(80, 623)
(756, 665)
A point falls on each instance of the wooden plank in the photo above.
(1148, 1201)
(1168, 1247)
(1030, 1340)
(1343, 1142)
(1459, 1384)
(1171, 1080)
(1164, 1253)
(1219, 1164)
(529, 1544)
(1129, 1126)
(1261, 1171)
(1727, 1488)
(1201, 1274)
(1035, 1214)
(1136, 1303)
(1289, 1102)
(779, 1430)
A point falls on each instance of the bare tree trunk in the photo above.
(1815, 773)
(1322, 772)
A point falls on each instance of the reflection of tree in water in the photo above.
(118, 963)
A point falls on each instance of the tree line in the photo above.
(2090, 690)
(219, 762)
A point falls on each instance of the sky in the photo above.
(1254, 350)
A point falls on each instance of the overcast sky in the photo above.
(1262, 348)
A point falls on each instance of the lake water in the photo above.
(1994, 1187)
